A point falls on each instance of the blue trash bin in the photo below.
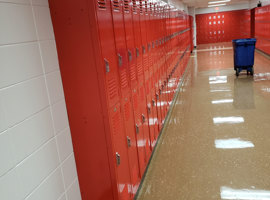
(244, 55)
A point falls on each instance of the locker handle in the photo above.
(153, 102)
(137, 52)
(107, 66)
(120, 60)
(149, 47)
(128, 141)
(149, 109)
(129, 55)
(143, 49)
(137, 129)
(118, 159)
(157, 96)
(143, 118)
(153, 45)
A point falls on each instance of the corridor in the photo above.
(216, 142)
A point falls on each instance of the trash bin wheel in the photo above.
(252, 71)
(237, 71)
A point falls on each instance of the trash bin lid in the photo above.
(249, 41)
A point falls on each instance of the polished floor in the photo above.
(216, 144)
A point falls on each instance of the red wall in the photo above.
(262, 28)
(223, 26)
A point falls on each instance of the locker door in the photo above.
(130, 41)
(127, 111)
(155, 117)
(143, 18)
(137, 39)
(144, 119)
(139, 131)
(151, 120)
(107, 43)
(121, 154)
(120, 43)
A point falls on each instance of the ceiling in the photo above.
(204, 3)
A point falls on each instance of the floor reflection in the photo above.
(233, 143)
(244, 194)
(244, 93)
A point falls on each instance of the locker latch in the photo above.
(153, 102)
(143, 118)
(137, 52)
(149, 109)
(149, 47)
(118, 159)
(143, 49)
(153, 45)
(137, 129)
(107, 66)
(120, 60)
(157, 96)
(128, 141)
(129, 55)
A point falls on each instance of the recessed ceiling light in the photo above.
(216, 5)
(222, 1)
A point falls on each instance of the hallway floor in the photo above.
(216, 144)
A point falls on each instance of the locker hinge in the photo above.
(120, 60)
(129, 55)
(118, 159)
(128, 141)
(107, 66)
(137, 129)
(143, 118)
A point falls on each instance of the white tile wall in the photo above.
(36, 153)
(73, 192)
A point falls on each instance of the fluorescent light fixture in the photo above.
(222, 101)
(234, 143)
(217, 5)
(228, 120)
(244, 194)
(222, 1)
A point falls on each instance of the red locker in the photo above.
(128, 57)
(139, 131)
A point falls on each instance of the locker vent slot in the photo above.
(134, 6)
(116, 5)
(101, 4)
(126, 6)
(140, 69)
(133, 71)
(141, 7)
(112, 87)
(146, 7)
(123, 78)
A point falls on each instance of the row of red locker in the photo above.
(222, 26)
(120, 62)
(262, 28)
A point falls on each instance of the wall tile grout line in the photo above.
(43, 68)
